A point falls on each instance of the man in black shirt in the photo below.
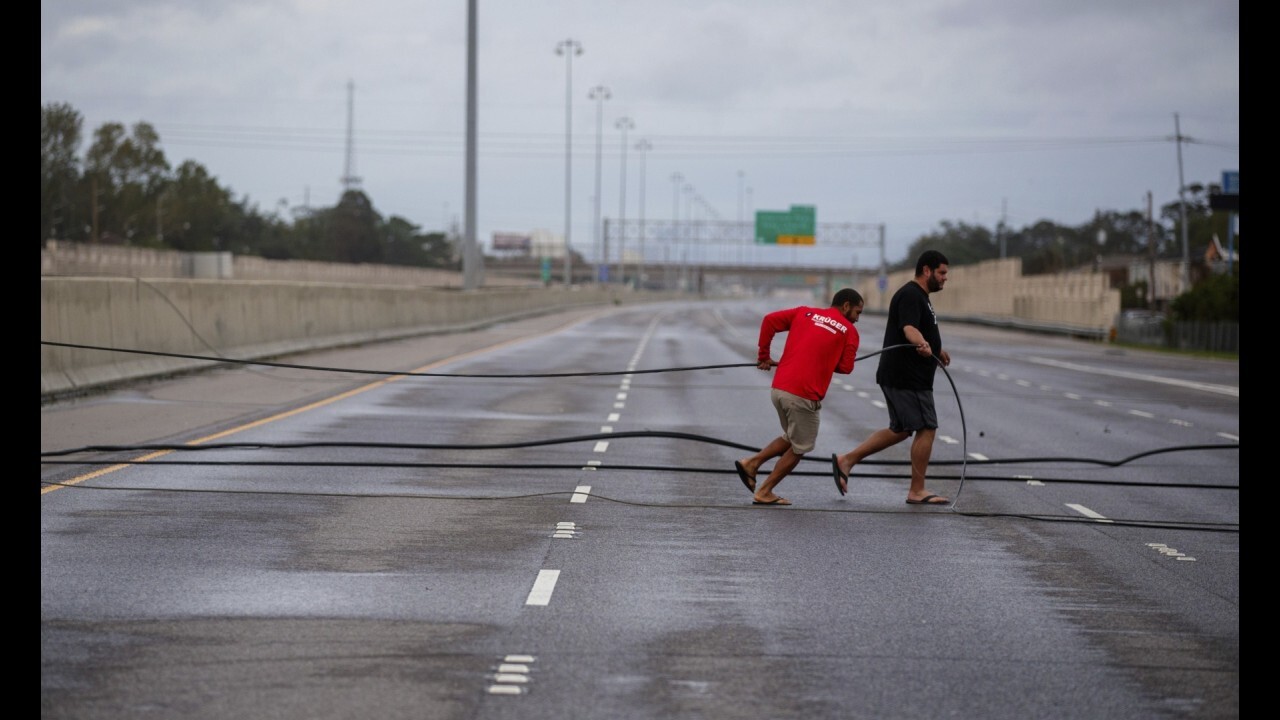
(906, 379)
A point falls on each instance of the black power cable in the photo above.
(398, 373)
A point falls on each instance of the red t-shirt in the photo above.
(820, 343)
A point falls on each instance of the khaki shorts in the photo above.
(799, 418)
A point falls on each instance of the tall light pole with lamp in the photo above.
(676, 180)
(624, 124)
(568, 48)
(692, 226)
(642, 147)
(599, 93)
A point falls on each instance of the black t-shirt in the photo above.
(903, 367)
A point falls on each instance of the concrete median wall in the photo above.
(244, 320)
(995, 292)
(145, 307)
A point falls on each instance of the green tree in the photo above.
(60, 135)
(1216, 298)
(195, 210)
(961, 243)
(126, 173)
(353, 230)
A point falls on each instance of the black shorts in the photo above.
(910, 410)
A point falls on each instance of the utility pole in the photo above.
(1004, 209)
(1182, 209)
(1151, 257)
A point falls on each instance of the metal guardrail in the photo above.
(1159, 332)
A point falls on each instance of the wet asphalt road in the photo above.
(456, 547)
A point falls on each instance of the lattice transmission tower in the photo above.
(349, 179)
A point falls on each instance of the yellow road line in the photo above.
(320, 403)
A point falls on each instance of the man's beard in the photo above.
(934, 285)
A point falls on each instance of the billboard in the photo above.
(512, 242)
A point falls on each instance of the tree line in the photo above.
(123, 191)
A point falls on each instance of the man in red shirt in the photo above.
(820, 343)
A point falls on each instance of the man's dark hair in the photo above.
(847, 295)
(930, 259)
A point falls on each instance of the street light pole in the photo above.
(676, 179)
(741, 176)
(692, 226)
(470, 257)
(642, 147)
(569, 48)
(599, 93)
(624, 124)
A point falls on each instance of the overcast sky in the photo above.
(903, 113)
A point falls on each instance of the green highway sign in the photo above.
(795, 226)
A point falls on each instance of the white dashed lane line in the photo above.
(580, 494)
(543, 586)
(1088, 513)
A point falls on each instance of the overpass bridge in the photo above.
(707, 256)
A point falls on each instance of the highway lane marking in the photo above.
(543, 587)
(511, 675)
(1207, 387)
(606, 428)
(614, 417)
(1142, 413)
(948, 440)
(1229, 436)
(978, 456)
(232, 431)
(602, 445)
(1170, 552)
(320, 403)
(580, 494)
(1088, 513)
